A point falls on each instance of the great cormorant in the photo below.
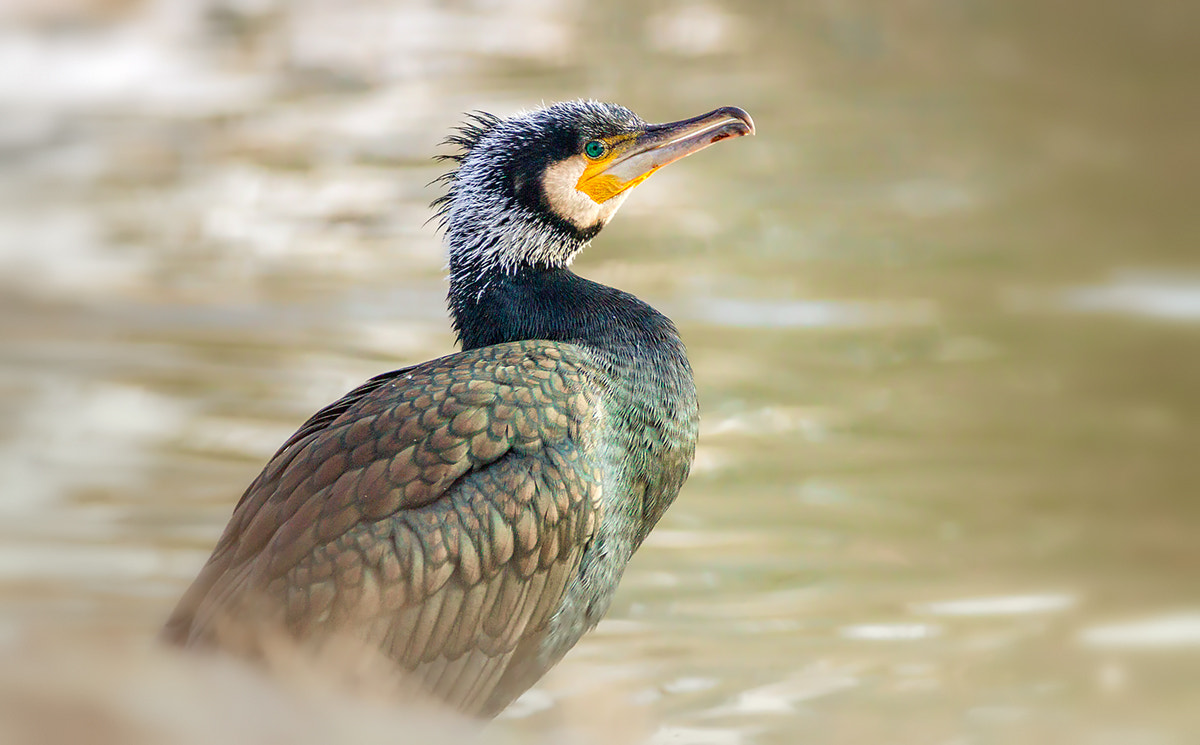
(470, 517)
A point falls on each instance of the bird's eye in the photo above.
(594, 149)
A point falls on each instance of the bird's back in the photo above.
(437, 512)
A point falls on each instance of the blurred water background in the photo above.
(944, 312)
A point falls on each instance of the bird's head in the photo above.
(533, 189)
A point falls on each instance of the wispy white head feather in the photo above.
(513, 200)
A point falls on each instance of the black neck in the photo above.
(552, 303)
(650, 398)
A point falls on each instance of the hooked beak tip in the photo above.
(742, 116)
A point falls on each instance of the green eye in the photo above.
(594, 149)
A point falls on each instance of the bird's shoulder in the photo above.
(504, 380)
(400, 440)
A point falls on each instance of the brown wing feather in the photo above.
(438, 512)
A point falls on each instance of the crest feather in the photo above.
(465, 137)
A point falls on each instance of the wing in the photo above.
(438, 512)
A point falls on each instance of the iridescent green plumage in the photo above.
(438, 510)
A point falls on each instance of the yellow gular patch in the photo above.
(602, 187)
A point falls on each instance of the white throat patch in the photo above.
(569, 203)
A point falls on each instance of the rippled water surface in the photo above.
(944, 312)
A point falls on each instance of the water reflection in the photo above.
(803, 313)
(1161, 298)
(941, 311)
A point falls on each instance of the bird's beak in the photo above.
(632, 159)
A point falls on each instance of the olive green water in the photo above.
(944, 312)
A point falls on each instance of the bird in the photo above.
(471, 517)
